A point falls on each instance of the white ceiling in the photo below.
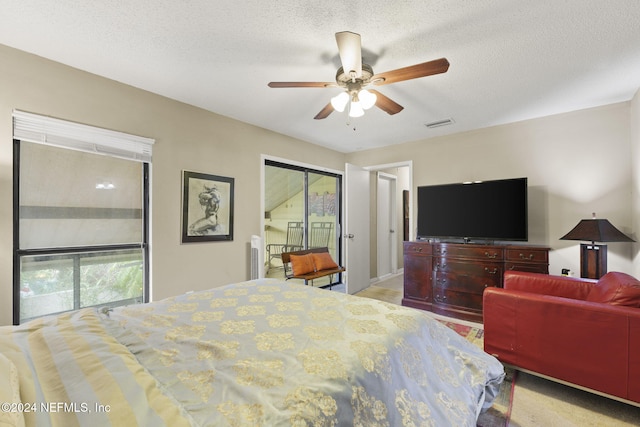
(510, 60)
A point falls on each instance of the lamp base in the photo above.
(593, 261)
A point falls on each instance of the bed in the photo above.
(256, 353)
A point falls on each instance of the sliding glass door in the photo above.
(302, 210)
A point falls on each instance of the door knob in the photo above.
(348, 236)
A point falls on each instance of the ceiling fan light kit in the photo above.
(361, 75)
(367, 99)
(358, 102)
(355, 109)
(339, 102)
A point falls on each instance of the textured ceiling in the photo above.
(510, 60)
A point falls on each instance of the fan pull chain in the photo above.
(348, 123)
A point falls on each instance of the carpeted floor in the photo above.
(538, 401)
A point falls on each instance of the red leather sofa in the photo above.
(579, 331)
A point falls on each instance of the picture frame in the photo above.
(207, 207)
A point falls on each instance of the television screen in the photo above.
(485, 210)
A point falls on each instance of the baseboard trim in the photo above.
(399, 272)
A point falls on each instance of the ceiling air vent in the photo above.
(438, 123)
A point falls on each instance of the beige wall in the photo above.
(187, 138)
(635, 164)
(576, 163)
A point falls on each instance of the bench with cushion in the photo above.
(310, 264)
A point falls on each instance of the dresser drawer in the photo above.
(466, 271)
(488, 253)
(417, 249)
(520, 255)
(451, 298)
(528, 267)
(474, 280)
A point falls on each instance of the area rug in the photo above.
(500, 413)
(472, 334)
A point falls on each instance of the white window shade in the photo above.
(62, 202)
(61, 133)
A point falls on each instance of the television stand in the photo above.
(449, 278)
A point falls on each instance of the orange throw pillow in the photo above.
(323, 261)
(302, 264)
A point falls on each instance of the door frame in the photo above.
(399, 236)
(391, 216)
(340, 217)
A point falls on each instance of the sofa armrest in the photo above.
(584, 343)
(537, 283)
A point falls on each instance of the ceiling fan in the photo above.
(354, 76)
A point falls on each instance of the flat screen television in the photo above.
(485, 210)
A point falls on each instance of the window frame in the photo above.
(18, 253)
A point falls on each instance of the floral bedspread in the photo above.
(275, 353)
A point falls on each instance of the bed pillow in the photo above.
(302, 264)
(617, 289)
(9, 392)
(323, 261)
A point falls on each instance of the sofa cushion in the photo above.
(617, 289)
(302, 264)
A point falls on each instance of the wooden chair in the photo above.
(320, 234)
(295, 236)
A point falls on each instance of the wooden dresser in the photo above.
(449, 278)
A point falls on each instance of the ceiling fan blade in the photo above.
(385, 103)
(301, 84)
(324, 113)
(430, 68)
(350, 49)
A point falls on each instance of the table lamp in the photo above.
(593, 258)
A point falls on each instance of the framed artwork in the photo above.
(207, 207)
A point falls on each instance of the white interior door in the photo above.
(386, 225)
(356, 233)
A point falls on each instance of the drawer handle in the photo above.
(494, 271)
(530, 257)
(488, 255)
(417, 249)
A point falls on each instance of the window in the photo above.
(80, 217)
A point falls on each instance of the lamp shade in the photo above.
(355, 109)
(596, 230)
(367, 99)
(339, 102)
